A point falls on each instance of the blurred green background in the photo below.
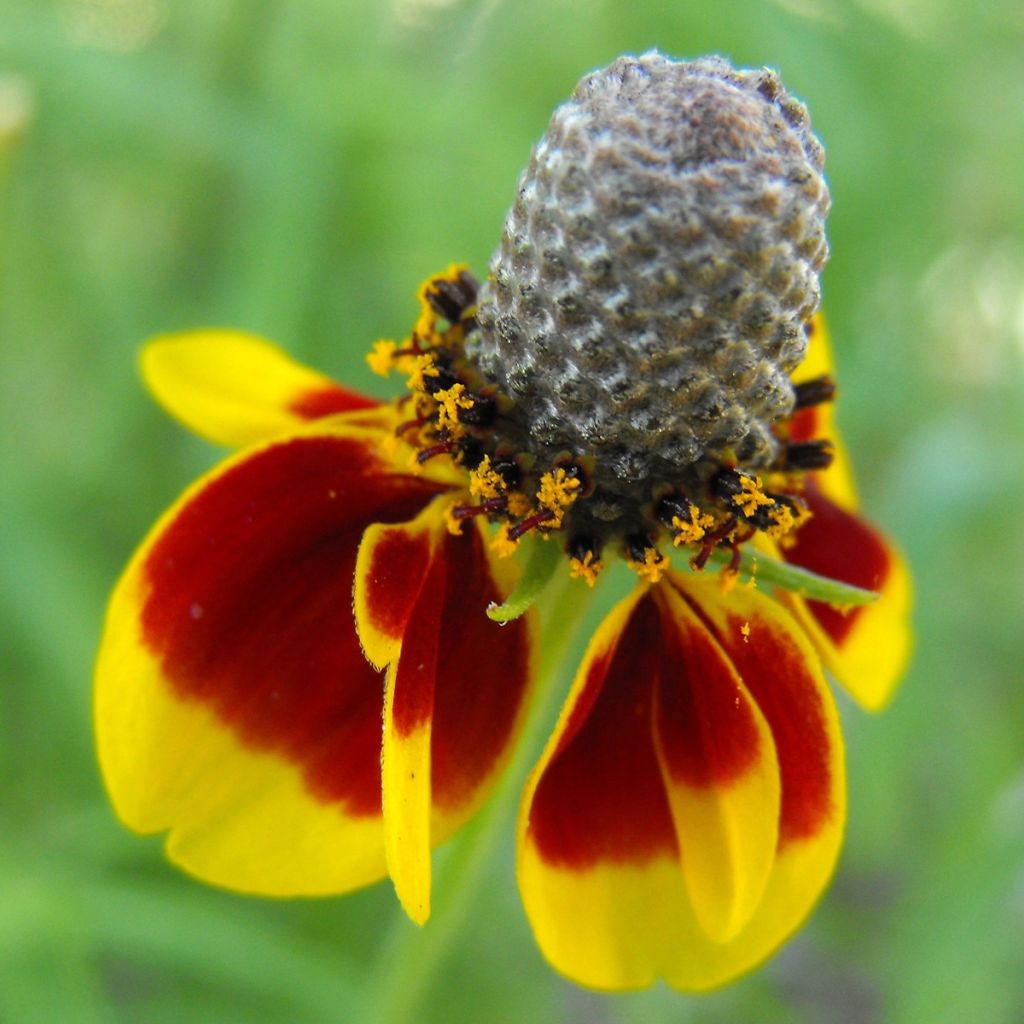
(296, 169)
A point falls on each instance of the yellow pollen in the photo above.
(585, 568)
(745, 630)
(423, 366)
(556, 493)
(502, 544)
(694, 530)
(751, 498)
(484, 482)
(450, 401)
(783, 521)
(652, 568)
(518, 504)
(381, 358)
(426, 324)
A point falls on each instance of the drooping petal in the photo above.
(866, 647)
(661, 754)
(234, 706)
(817, 422)
(781, 673)
(237, 389)
(456, 687)
(720, 773)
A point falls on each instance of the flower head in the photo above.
(643, 376)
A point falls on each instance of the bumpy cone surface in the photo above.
(648, 299)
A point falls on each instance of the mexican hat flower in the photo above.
(317, 664)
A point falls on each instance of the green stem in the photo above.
(410, 958)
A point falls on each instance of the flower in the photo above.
(344, 568)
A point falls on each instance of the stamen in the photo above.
(450, 402)
(441, 448)
(558, 490)
(809, 455)
(425, 366)
(485, 481)
(741, 490)
(711, 541)
(585, 568)
(689, 523)
(646, 560)
(382, 357)
(814, 392)
(584, 559)
(539, 518)
(451, 298)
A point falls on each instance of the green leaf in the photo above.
(765, 569)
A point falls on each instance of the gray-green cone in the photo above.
(655, 274)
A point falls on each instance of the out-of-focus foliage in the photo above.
(296, 169)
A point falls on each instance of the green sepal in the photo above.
(543, 556)
(765, 569)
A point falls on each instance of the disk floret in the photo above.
(623, 376)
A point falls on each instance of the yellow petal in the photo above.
(237, 389)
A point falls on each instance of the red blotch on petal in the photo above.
(776, 675)
(601, 797)
(393, 579)
(708, 732)
(249, 606)
(418, 662)
(841, 546)
(329, 400)
(482, 678)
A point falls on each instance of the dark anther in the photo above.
(727, 483)
(809, 455)
(451, 299)
(581, 546)
(440, 381)
(763, 516)
(814, 392)
(471, 452)
(481, 413)
(577, 469)
(637, 547)
(673, 506)
(508, 470)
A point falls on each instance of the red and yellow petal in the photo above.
(234, 707)
(654, 716)
(237, 389)
(457, 683)
(865, 647)
(720, 773)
